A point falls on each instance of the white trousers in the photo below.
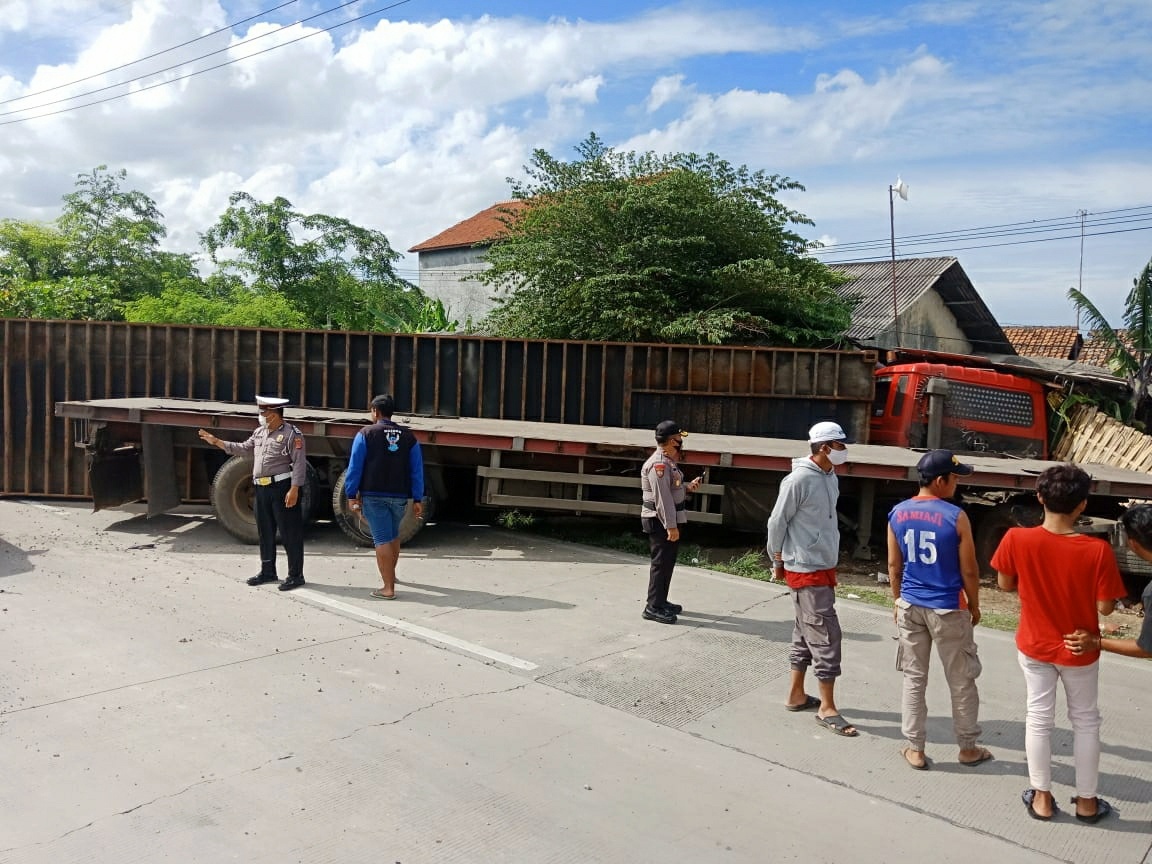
(1081, 686)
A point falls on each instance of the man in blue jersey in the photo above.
(936, 585)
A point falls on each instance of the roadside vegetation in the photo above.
(263, 264)
(857, 582)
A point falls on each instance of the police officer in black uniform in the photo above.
(279, 470)
(662, 513)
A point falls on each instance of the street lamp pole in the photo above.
(898, 188)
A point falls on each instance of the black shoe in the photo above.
(674, 608)
(289, 584)
(661, 615)
(260, 579)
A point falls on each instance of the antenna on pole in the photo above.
(898, 188)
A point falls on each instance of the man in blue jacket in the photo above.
(385, 469)
(804, 542)
(936, 585)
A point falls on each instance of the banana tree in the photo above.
(1131, 357)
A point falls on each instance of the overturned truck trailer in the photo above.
(751, 392)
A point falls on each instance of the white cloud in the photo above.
(666, 88)
(408, 127)
(584, 91)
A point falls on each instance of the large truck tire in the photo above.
(989, 530)
(233, 498)
(355, 525)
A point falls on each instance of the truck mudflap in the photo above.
(122, 473)
(115, 476)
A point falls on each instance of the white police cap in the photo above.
(271, 402)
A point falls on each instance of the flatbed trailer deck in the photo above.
(548, 466)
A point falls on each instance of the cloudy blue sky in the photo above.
(1015, 113)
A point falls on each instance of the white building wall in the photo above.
(928, 325)
(449, 275)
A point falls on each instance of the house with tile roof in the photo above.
(1096, 351)
(1059, 343)
(939, 309)
(450, 262)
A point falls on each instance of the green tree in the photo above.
(75, 298)
(335, 273)
(678, 248)
(239, 308)
(114, 234)
(1131, 357)
(30, 252)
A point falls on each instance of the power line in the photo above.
(200, 71)
(151, 56)
(1006, 230)
(949, 249)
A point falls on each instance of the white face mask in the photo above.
(838, 457)
(263, 421)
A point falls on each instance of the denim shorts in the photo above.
(384, 515)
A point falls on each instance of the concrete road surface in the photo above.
(510, 706)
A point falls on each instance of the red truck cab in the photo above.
(983, 411)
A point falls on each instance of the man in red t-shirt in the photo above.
(1065, 579)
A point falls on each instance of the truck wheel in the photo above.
(988, 532)
(233, 498)
(356, 526)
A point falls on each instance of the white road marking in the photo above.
(414, 629)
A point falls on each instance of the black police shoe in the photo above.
(261, 578)
(674, 608)
(289, 584)
(661, 615)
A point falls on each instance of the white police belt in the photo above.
(268, 481)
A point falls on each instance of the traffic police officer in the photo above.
(663, 491)
(279, 470)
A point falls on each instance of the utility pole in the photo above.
(1082, 214)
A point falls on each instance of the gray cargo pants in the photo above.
(816, 636)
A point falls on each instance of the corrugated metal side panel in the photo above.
(747, 391)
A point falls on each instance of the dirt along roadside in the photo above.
(737, 553)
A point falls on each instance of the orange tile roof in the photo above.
(484, 227)
(1057, 342)
(1096, 352)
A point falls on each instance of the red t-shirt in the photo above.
(811, 580)
(1060, 577)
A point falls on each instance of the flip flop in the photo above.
(380, 595)
(1028, 796)
(985, 755)
(836, 723)
(912, 764)
(808, 704)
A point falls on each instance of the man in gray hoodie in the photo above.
(804, 542)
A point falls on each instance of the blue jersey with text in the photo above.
(925, 528)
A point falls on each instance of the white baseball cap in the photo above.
(826, 430)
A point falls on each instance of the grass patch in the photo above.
(750, 565)
(516, 520)
(865, 595)
(999, 621)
